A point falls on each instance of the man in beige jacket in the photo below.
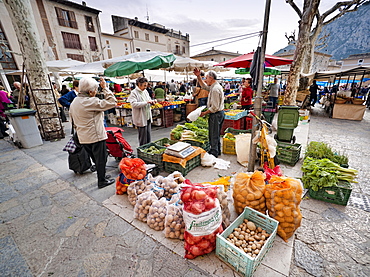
(87, 113)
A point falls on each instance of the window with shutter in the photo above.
(93, 46)
(71, 40)
(89, 24)
(76, 57)
(66, 18)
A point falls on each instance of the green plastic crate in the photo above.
(206, 146)
(338, 195)
(190, 165)
(151, 158)
(269, 116)
(164, 141)
(288, 153)
(237, 258)
(236, 131)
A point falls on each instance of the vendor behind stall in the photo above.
(201, 94)
(215, 105)
(159, 92)
(247, 94)
(141, 113)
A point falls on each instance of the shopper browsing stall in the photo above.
(87, 113)
(215, 105)
(141, 113)
(274, 93)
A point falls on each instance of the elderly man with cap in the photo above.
(215, 107)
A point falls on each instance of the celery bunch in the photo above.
(320, 173)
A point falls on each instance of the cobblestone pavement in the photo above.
(50, 227)
(334, 240)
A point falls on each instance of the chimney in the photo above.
(136, 18)
(83, 3)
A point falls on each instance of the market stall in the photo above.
(341, 102)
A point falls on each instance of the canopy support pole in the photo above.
(362, 78)
(347, 82)
(258, 100)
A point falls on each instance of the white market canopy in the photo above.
(162, 76)
(58, 65)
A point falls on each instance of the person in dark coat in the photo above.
(67, 99)
(313, 93)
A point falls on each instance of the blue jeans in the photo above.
(202, 101)
(214, 125)
(273, 100)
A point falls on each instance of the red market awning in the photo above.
(245, 61)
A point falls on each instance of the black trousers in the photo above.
(144, 133)
(215, 122)
(62, 114)
(98, 153)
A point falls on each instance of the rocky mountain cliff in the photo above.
(349, 34)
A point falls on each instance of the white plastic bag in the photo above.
(242, 147)
(271, 144)
(195, 114)
(221, 164)
(208, 159)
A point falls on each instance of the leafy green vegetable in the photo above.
(198, 128)
(320, 173)
(153, 150)
(320, 150)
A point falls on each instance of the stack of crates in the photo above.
(288, 153)
(235, 124)
(190, 165)
(168, 118)
(228, 146)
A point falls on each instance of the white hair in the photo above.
(87, 84)
(212, 74)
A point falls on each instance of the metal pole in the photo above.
(258, 100)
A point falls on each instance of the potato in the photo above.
(251, 226)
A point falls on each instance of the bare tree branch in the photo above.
(295, 7)
(346, 4)
(343, 11)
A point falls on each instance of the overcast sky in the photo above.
(206, 20)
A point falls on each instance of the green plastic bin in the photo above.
(288, 118)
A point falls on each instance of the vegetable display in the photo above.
(153, 150)
(320, 150)
(283, 196)
(248, 238)
(249, 191)
(197, 131)
(324, 173)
